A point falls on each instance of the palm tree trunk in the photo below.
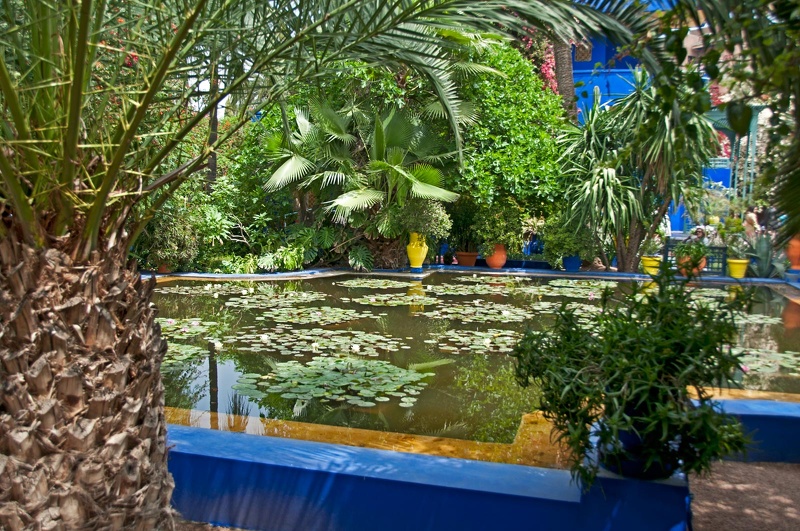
(562, 51)
(82, 427)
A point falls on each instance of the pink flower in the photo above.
(745, 369)
(591, 295)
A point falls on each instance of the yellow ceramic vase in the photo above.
(417, 250)
(737, 267)
(650, 264)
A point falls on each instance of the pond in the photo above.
(425, 357)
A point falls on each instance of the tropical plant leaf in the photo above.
(360, 258)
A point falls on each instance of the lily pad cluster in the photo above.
(357, 381)
(492, 279)
(492, 340)
(179, 353)
(766, 361)
(709, 293)
(586, 284)
(246, 385)
(481, 312)
(322, 315)
(317, 341)
(395, 299)
(374, 283)
(743, 319)
(572, 292)
(468, 289)
(183, 329)
(280, 299)
(216, 289)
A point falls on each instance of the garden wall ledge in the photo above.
(267, 483)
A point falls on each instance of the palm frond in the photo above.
(343, 206)
(292, 170)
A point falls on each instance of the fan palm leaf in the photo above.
(362, 199)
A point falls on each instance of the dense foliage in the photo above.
(511, 150)
(628, 377)
(626, 165)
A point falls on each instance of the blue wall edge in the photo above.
(267, 483)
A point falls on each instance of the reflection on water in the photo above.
(229, 340)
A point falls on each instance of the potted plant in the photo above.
(690, 257)
(463, 237)
(423, 220)
(499, 225)
(732, 234)
(566, 244)
(627, 380)
(650, 252)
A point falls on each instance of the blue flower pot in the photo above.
(572, 264)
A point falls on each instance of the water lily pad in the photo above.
(395, 299)
(353, 378)
(374, 283)
(276, 299)
(322, 315)
(484, 312)
(489, 341)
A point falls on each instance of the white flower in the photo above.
(251, 290)
(487, 341)
(207, 287)
(474, 275)
(506, 312)
(216, 295)
(217, 345)
(314, 347)
(195, 323)
(244, 292)
(264, 338)
(355, 348)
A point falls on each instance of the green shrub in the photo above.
(511, 150)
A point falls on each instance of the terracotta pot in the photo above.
(793, 252)
(683, 266)
(417, 250)
(498, 257)
(466, 259)
(650, 264)
(737, 267)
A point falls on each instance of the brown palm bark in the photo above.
(82, 427)
(562, 51)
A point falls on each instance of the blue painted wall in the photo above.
(275, 484)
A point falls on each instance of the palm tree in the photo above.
(565, 80)
(370, 167)
(97, 100)
(624, 173)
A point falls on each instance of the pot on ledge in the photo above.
(651, 264)
(498, 257)
(572, 264)
(417, 250)
(466, 258)
(737, 267)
